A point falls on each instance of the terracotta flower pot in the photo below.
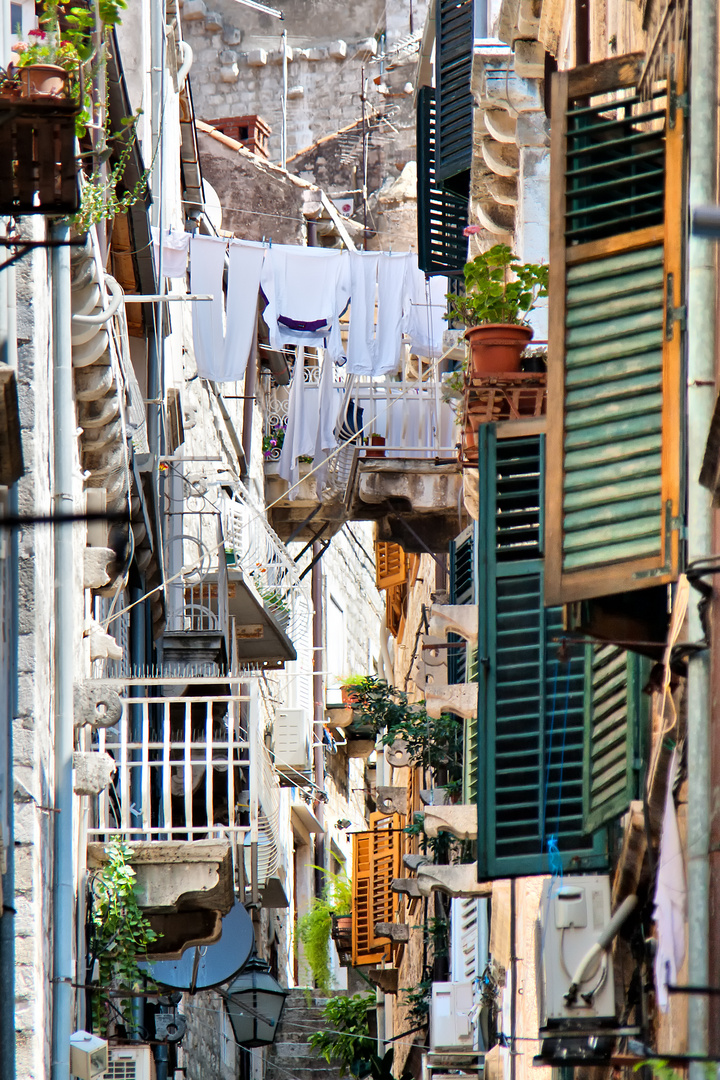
(496, 348)
(42, 80)
(349, 695)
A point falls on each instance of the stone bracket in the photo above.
(391, 800)
(453, 880)
(459, 698)
(460, 820)
(397, 932)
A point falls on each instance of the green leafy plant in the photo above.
(313, 929)
(100, 199)
(120, 933)
(348, 1043)
(498, 289)
(418, 1000)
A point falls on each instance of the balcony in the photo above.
(196, 797)
(239, 602)
(407, 478)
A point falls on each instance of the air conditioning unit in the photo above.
(292, 740)
(450, 1016)
(130, 1063)
(573, 913)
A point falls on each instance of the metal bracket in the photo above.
(672, 314)
(672, 524)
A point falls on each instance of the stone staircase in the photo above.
(290, 1057)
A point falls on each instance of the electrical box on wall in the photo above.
(573, 913)
(292, 744)
(450, 1016)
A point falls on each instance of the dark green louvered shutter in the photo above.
(462, 591)
(531, 711)
(453, 72)
(614, 370)
(615, 714)
(441, 215)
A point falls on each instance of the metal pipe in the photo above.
(64, 428)
(283, 158)
(702, 314)
(8, 348)
(318, 711)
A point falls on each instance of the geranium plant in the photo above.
(46, 47)
(498, 289)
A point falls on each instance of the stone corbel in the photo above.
(458, 618)
(453, 880)
(460, 820)
(413, 861)
(391, 800)
(498, 220)
(460, 698)
(500, 158)
(397, 932)
(406, 886)
(386, 979)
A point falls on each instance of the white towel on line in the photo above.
(393, 305)
(670, 910)
(302, 425)
(246, 261)
(174, 251)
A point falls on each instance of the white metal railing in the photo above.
(266, 562)
(199, 601)
(183, 770)
(408, 413)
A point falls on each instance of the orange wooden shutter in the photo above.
(377, 859)
(390, 564)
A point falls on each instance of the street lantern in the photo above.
(255, 1002)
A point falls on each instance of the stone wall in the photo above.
(238, 62)
(208, 1049)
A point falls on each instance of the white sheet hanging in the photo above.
(307, 290)
(361, 334)
(302, 425)
(246, 261)
(207, 261)
(393, 303)
(428, 304)
(670, 910)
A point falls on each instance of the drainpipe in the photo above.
(64, 425)
(318, 712)
(283, 150)
(8, 344)
(701, 301)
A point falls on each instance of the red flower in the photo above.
(36, 33)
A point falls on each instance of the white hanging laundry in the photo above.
(670, 910)
(174, 252)
(394, 275)
(425, 323)
(361, 334)
(207, 260)
(302, 425)
(246, 261)
(307, 290)
(330, 398)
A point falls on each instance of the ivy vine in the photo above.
(120, 933)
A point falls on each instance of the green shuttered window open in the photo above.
(453, 70)
(531, 702)
(442, 215)
(615, 719)
(614, 391)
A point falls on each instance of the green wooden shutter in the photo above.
(453, 71)
(615, 712)
(531, 701)
(441, 215)
(462, 591)
(614, 371)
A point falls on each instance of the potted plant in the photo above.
(45, 61)
(500, 292)
(351, 688)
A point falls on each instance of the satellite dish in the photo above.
(211, 965)
(397, 755)
(213, 206)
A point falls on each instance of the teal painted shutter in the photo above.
(614, 371)
(442, 216)
(462, 662)
(453, 70)
(531, 712)
(615, 712)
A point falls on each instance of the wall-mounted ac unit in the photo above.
(450, 1023)
(292, 739)
(130, 1063)
(573, 913)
